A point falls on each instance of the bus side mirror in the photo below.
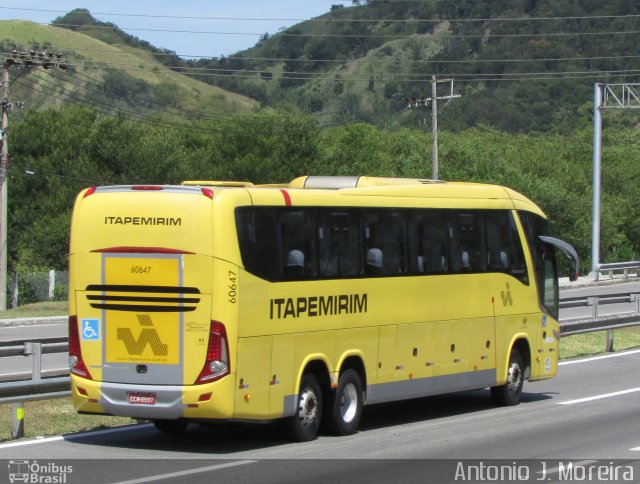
(570, 252)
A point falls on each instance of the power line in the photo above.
(15, 171)
(144, 101)
(353, 36)
(333, 20)
(195, 70)
(112, 110)
(104, 108)
(304, 75)
(289, 59)
(397, 77)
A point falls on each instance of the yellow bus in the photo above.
(306, 301)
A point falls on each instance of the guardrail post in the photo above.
(593, 302)
(609, 348)
(35, 350)
(17, 428)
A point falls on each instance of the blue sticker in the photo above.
(91, 329)
(544, 321)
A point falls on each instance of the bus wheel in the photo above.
(509, 393)
(171, 426)
(305, 423)
(347, 404)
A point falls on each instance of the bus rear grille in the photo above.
(153, 299)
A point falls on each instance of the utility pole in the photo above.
(6, 106)
(433, 101)
(35, 58)
(434, 128)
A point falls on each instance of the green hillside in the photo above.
(111, 77)
(519, 66)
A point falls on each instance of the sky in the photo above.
(242, 21)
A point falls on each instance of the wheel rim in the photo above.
(308, 407)
(349, 402)
(514, 380)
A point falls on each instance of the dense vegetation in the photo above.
(72, 148)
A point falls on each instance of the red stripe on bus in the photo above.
(142, 250)
(287, 197)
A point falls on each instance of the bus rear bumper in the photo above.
(165, 402)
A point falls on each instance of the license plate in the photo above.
(137, 398)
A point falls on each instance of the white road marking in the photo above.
(188, 472)
(636, 448)
(601, 357)
(598, 397)
(30, 442)
(75, 436)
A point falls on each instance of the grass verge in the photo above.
(588, 344)
(41, 309)
(53, 417)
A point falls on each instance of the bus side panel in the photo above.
(387, 339)
(415, 350)
(545, 363)
(360, 342)
(252, 377)
(466, 345)
(283, 383)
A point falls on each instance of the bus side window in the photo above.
(427, 242)
(504, 248)
(256, 229)
(385, 231)
(466, 237)
(543, 257)
(338, 244)
(297, 243)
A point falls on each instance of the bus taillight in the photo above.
(76, 363)
(217, 364)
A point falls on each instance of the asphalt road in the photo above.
(588, 415)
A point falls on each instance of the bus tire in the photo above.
(509, 393)
(303, 426)
(170, 426)
(346, 408)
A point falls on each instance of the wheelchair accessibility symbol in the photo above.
(90, 329)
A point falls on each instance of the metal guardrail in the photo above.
(18, 392)
(24, 347)
(29, 390)
(597, 321)
(623, 267)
